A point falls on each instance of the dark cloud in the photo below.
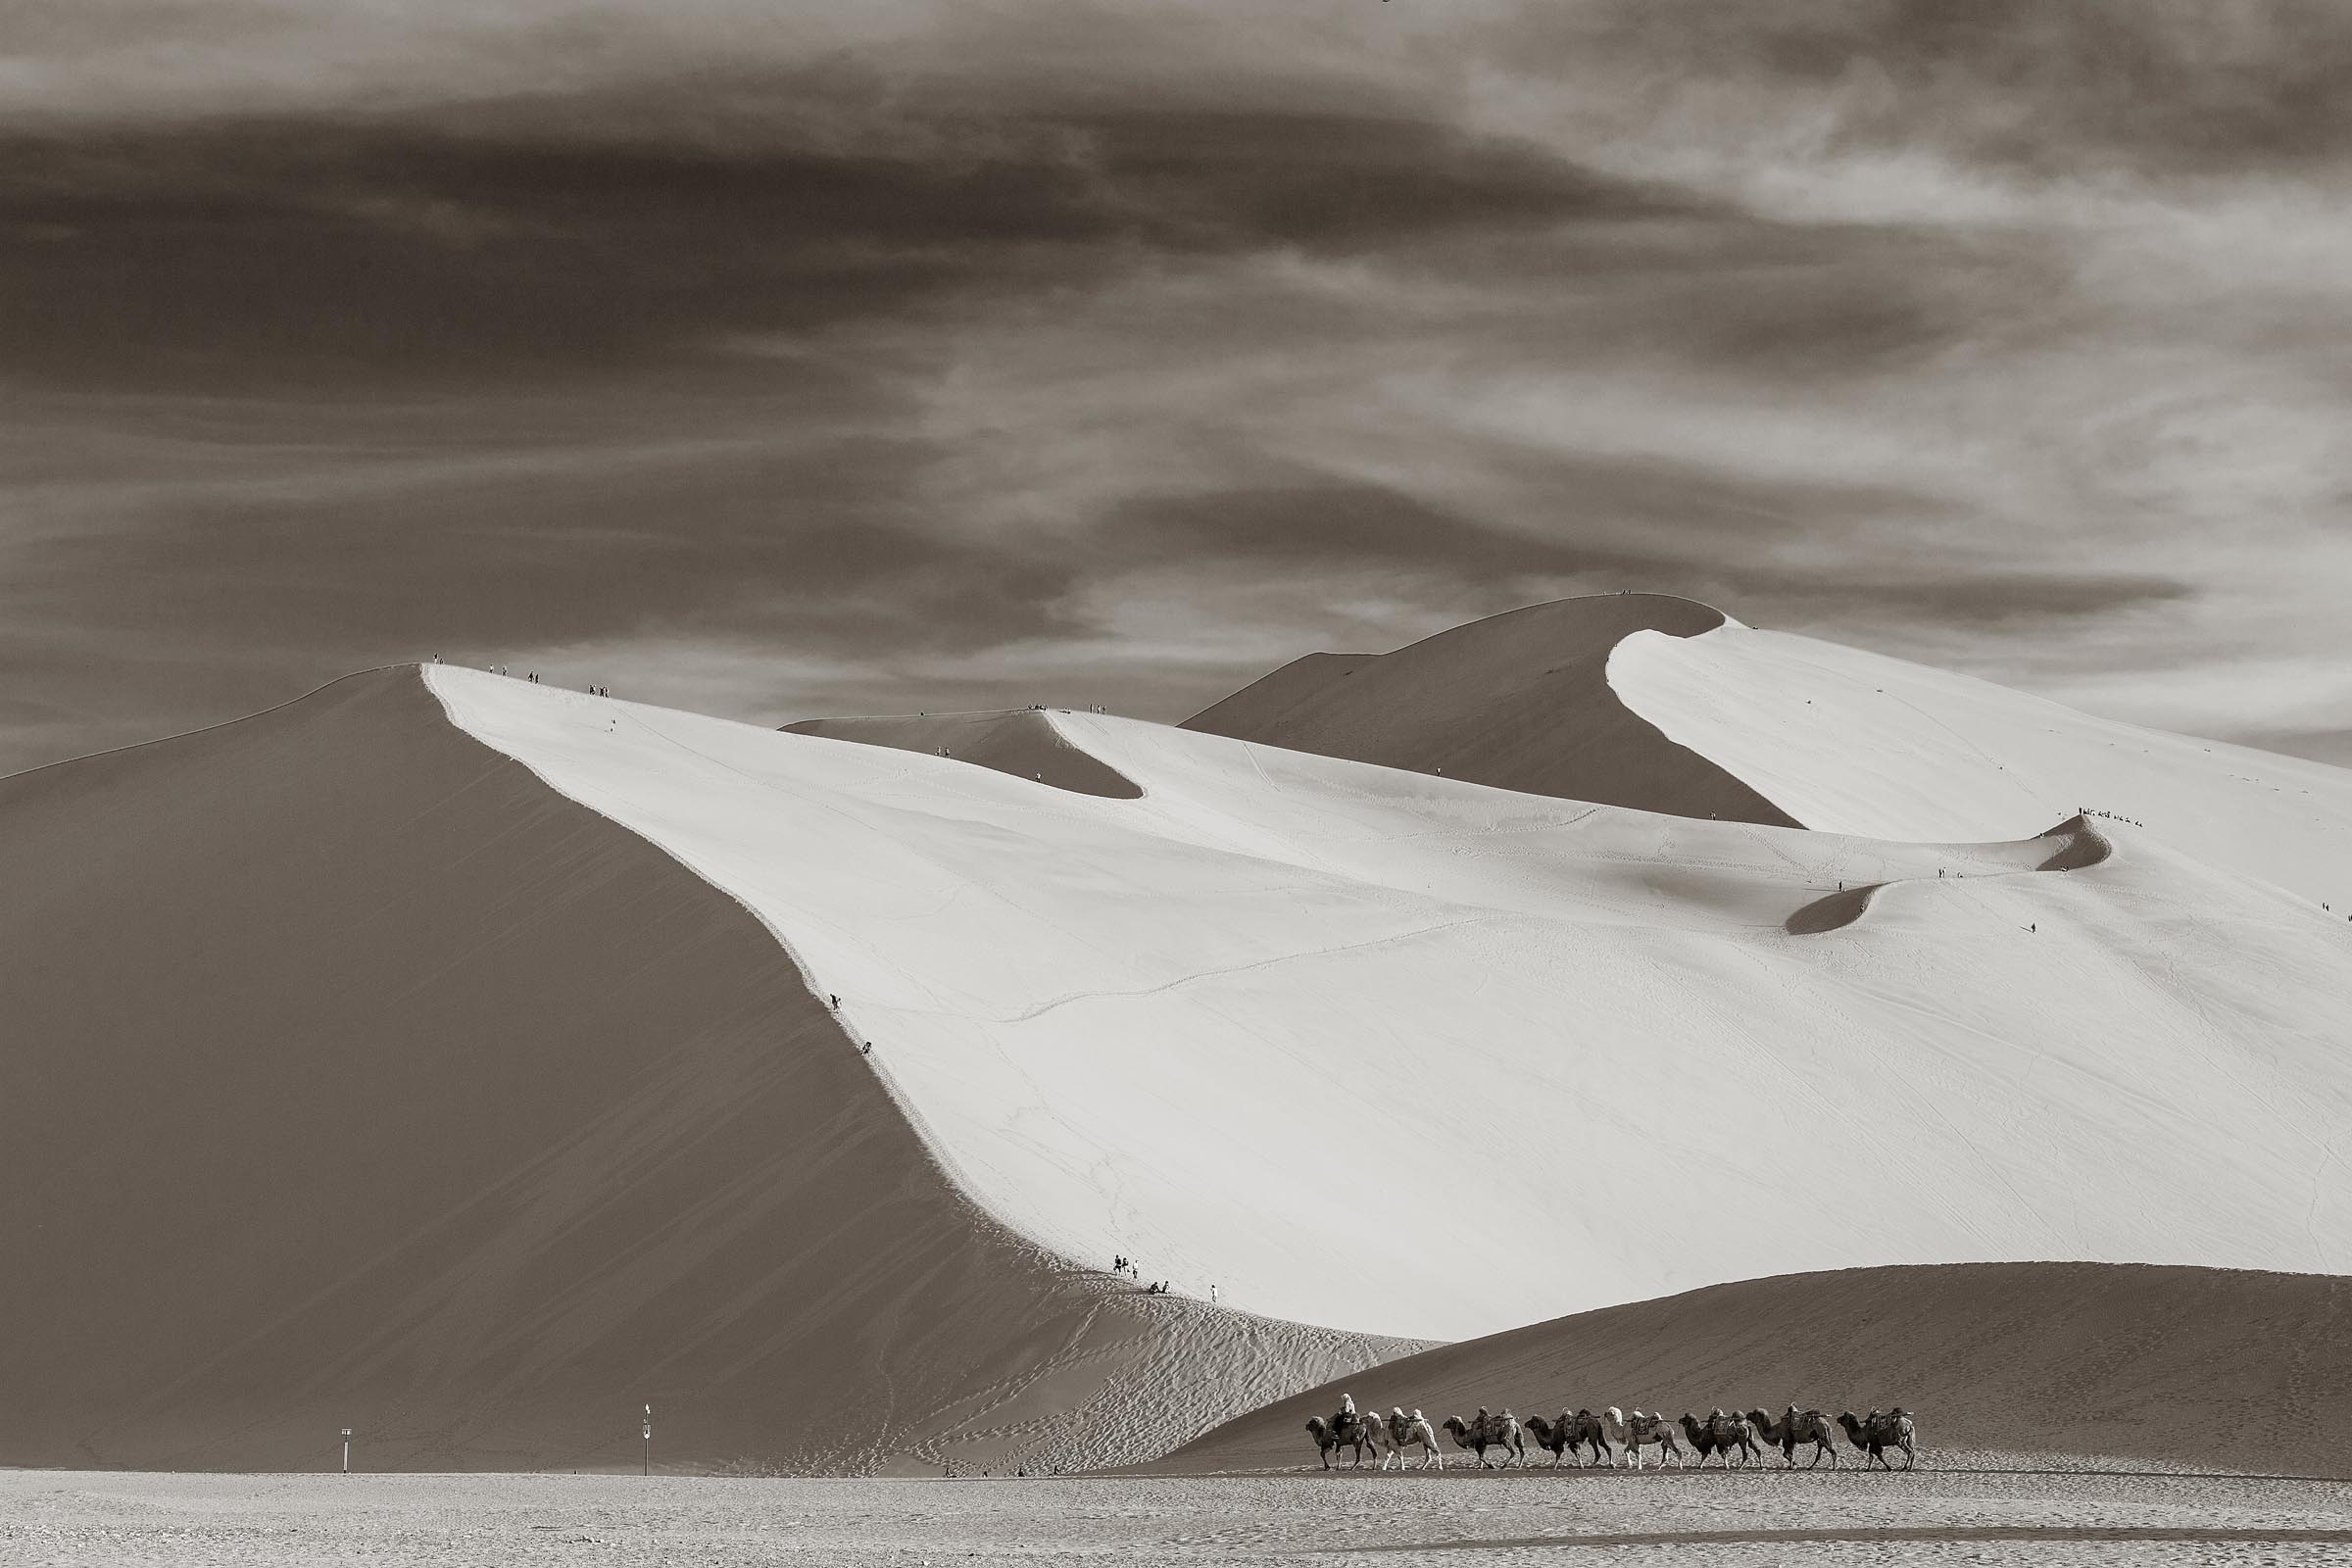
(819, 546)
(1939, 595)
(936, 359)
(1592, 512)
(581, 233)
(375, 254)
(1342, 185)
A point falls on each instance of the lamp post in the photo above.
(647, 1467)
(347, 1450)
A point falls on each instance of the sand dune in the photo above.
(352, 1077)
(1021, 742)
(1850, 742)
(2181, 1366)
(452, 1057)
(1256, 1025)
(1518, 700)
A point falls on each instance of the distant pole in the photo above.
(347, 1450)
(647, 1467)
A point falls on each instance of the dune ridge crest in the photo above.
(1520, 701)
(1018, 742)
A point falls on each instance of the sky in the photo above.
(776, 361)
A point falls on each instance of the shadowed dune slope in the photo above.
(352, 1077)
(1021, 742)
(1518, 700)
(2170, 1365)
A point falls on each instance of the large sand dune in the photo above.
(1519, 700)
(2181, 1366)
(451, 1056)
(1285, 1015)
(352, 1077)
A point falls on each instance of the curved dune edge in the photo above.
(1846, 741)
(462, 1116)
(1520, 701)
(1020, 741)
(1122, 1022)
(2116, 1365)
(2071, 846)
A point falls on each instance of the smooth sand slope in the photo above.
(352, 1077)
(1362, 1046)
(1518, 700)
(1020, 741)
(2030, 1362)
(1850, 742)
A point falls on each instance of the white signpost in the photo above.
(647, 1468)
(347, 1450)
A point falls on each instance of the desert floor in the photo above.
(60, 1517)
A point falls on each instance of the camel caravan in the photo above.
(1611, 1437)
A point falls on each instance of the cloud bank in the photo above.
(924, 356)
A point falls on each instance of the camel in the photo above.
(1483, 1431)
(1640, 1433)
(1346, 1430)
(1874, 1434)
(1569, 1433)
(1405, 1430)
(1793, 1427)
(1719, 1432)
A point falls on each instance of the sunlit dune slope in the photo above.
(1020, 741)
(1284, 1017)
(1851, 742)
(1518, 700)
(349, 1076)
(2067, 1361)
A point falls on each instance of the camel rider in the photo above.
(1347, 1416)
(1479, 1425)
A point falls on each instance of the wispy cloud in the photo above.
(919, 355)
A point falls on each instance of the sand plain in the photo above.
(53, 1519)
